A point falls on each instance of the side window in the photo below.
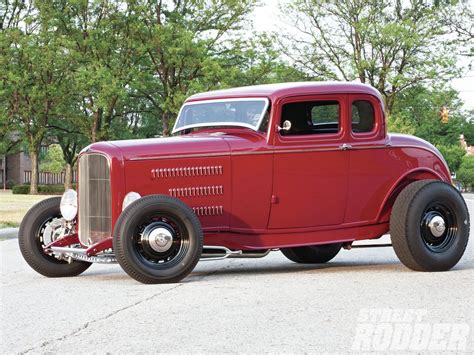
(312, 117)
(363, 116)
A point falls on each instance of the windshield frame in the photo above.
(216, 124)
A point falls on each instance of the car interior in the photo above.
(363, 118)
(322, 117)
(315, 117)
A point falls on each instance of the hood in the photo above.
(186, 145)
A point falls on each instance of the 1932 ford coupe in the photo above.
(306, 168)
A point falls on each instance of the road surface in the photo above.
(241, 305)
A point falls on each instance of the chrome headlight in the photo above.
(68, 205)
(129, 198)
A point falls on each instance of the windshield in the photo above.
(228, 112)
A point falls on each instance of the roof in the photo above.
(276, 91)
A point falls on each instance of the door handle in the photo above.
(345, 146)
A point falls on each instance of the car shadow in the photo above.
(241, 267)
(337, 267)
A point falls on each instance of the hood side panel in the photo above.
(204, 184)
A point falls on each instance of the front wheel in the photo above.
(158, 239)
(429, 226)
(41, 226)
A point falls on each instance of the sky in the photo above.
(268, 17)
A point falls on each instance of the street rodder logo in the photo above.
(407, 330)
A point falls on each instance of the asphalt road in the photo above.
(239, 305)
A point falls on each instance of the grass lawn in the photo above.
(14, 207)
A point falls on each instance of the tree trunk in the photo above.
(68, 177)
(4, 172)
(96, 124)
(388, 104)
(166, 124)
(34, 171)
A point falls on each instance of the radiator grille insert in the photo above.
(95, 213)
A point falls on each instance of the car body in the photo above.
(331, 177)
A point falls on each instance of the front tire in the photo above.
(429, 226)
(31, 241)
(158, 239)
(317, 254)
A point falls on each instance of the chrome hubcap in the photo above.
(437, 226)
(159, 239)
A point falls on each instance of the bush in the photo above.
(21, 189)
(42, 189)
(465, 174)
(51, 189)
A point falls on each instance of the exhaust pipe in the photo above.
(211, 252)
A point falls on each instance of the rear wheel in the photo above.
(38, 228)
(158, 239)
(429, 226)
(316, 254)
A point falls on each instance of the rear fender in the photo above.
(411, 176)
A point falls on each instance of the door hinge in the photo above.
(274, 199)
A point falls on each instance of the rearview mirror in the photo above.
(286, 126)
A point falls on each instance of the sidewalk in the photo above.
(8, 233)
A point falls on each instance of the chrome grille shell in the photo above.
(95, 202)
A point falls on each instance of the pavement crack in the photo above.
(111, 314)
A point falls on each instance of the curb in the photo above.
(9, 233)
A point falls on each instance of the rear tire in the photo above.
(30, 239)
(317, 254)
(158, 239)
(429, 226)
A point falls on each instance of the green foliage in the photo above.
(417, 112)
(453, 154)
(42, 189)
(468, 130)
(401, 123)
(53, 161)
(76, 72)
(391, 45)
(21, 189)
(465, 174)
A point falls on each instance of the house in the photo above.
(469, 149)
(15, 169)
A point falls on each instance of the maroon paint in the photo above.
(254, 190)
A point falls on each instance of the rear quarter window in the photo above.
(363, 116)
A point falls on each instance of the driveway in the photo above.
(361, 301)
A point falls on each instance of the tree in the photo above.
(465, 173)
(53, 161)
(35, 75)
(389, 44)
(182, 41)
(468, 130)
(458, 16)
(105, 63)
(418, 109)
(453, 155)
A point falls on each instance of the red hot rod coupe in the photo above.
(306, 168)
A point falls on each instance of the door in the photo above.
(372, 174)
(310, 176)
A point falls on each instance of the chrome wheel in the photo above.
(41, 226)
(161, 241)
(49, 231)
(158, 239)
(438, 227)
